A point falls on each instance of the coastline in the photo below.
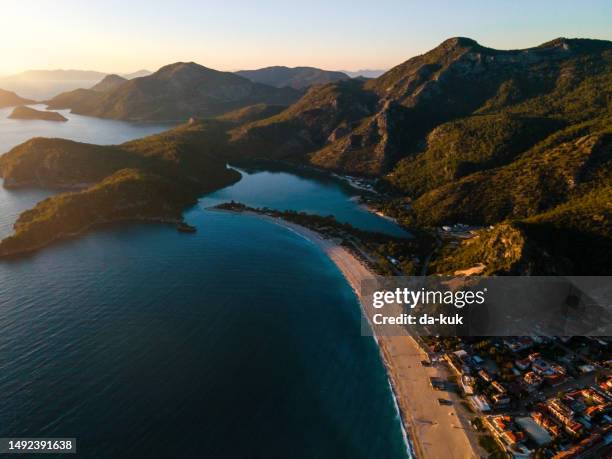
(378, 213)
(64, 236)
(430, 430)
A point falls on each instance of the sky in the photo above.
(124, 36)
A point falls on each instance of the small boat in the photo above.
(185, 228)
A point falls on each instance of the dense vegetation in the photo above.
(458, 148)
(532, 184)
(504, 248)
(365, 128)
(475, 135)
(251, 113)
(520, 140)
(322, 114)
(153, 178)
(129, 194)
(60, 163)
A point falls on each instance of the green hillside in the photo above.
(458, 148)
(519, 141)
(474, 135)
(324, 111)
(536, 182)
(129, 194)
(150, 179)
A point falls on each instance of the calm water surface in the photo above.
(242, 340)
(79, 128)
(308, 191)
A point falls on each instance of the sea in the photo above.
(241, 340)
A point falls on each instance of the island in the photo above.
(27, 113)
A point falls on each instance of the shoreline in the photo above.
(378, 213)
(66, 236)
(427, 427)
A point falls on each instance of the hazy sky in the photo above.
(123, 36)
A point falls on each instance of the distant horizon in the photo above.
(237, 69)
(5, 75)
(342, 35)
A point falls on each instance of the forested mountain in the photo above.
(520, 141)
(176, 92)
(296, 77)
(470, 134)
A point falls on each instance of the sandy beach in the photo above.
(435, 431)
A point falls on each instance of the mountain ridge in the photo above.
(109, 83)
(175, 92)
(10, 99)
(471, 134)
(45, 84)
(517, 141)
(453, 80)
(295, 77)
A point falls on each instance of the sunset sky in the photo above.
(124, 36)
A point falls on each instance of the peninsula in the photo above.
(152, 179)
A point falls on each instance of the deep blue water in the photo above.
(242, 340)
